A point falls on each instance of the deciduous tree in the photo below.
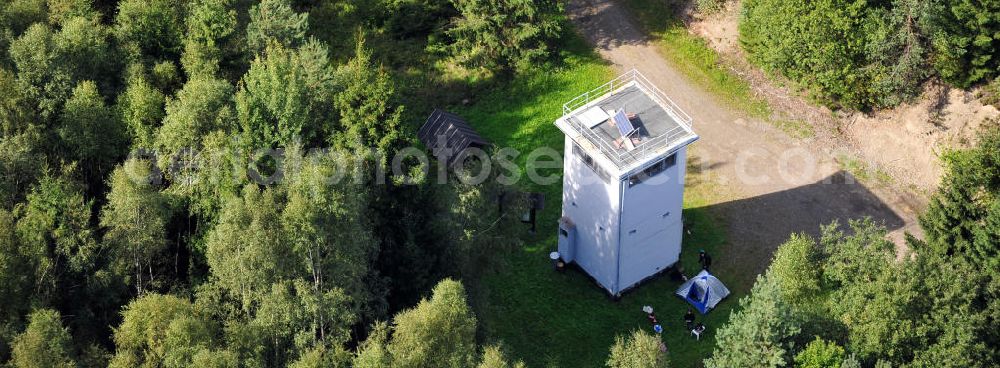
(639, 349)
(158, 329)
(45, 343)
(135, 217)
(797, 267)
(208, 42)
(151, 28)
(141, 109)
(285, 97)
(204, 105)
(43, 76)
(21, 164)
(90, 131)
(438, 332)
(54, 230)
(820, 354)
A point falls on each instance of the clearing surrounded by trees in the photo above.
(241, 183)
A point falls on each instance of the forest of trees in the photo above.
(870, 54)
(146, 221)
(850, 300)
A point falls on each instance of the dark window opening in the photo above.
(589, 161)
(653, 170)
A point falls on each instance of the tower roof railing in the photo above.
(650, 146)
(642, 82)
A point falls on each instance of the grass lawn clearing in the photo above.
(552, 319)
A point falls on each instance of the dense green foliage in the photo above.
(503, 34)
(640, 350)
(167, 192)
(926, 310)
(852, 52)
(820, 354)
(965, 36)
(863, 54)
(437, 332)
(759, 334)
(964, 217)
(44, 344)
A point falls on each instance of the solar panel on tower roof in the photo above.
(624, 125)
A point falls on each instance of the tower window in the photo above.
(589, 161)
(653, 170)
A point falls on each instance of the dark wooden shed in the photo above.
(448, 136)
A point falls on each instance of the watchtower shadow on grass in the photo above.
(756, 226)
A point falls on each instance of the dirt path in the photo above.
(770, 185)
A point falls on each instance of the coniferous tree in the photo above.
(760, 333)
(965, 40)
(963, 219)
(369, 119)
(208, 41)
(503, 35)
(274, 21)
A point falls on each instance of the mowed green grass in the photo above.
(550, 319)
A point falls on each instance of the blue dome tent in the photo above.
(703, 291)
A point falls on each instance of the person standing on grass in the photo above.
(689, 319)
(704, 259)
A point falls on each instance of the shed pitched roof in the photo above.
(448, 136)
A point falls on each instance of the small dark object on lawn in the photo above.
(676, 273)
(704, 259)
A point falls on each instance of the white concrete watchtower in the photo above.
(623, 181)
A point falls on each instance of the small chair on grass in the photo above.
(697, 331)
